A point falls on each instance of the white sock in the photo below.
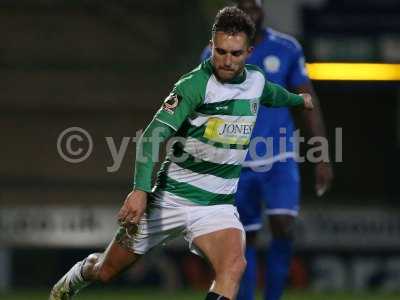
(74, 278)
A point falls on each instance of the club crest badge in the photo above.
(272, 64)
(171, 103)
(254, 107)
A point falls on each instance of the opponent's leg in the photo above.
(282, 194)
(279, 255)
(248, 203)
(101, 267)
(225, 251)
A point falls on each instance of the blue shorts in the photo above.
(277, 191)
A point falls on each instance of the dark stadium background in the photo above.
(105, 66)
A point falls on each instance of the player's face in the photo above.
(254, 10)
(229, 54)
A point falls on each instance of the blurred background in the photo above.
(105, 67)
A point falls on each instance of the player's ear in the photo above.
(250, 49)
(210, 43)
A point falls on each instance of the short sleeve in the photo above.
(298, 72)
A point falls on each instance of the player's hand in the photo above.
(324, 177)
(133, 208)
(308, 104)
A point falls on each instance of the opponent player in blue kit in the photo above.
(271, 176)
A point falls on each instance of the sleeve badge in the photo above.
(171, 103)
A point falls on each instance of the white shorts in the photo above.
(168, 216)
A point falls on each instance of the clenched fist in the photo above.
(308, 104)
(133, 208)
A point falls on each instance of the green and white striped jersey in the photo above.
(215, 122)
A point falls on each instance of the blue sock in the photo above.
(249, 279)
(278, 263)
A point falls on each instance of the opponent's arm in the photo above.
(315, 127)
(276, 96)
(313, 121)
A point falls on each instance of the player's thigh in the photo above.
(216, 232)
(224, 248)
(282, 189)
(248, 199)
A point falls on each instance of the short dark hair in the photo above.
(232, 20)
(258, 3)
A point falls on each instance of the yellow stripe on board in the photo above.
(354, 71)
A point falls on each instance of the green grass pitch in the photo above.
(115, 294)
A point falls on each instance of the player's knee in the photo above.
(282, 227)
(238, 267)
(99, 271)
(284, 232)
(241, 265)
(89, 267)
(251, 238)
(92, 259)
(235, 267)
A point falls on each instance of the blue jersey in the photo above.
(282, 59)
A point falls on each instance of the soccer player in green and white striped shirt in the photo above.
(211, 112)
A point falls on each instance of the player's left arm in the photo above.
(312, 119)
(276, 96)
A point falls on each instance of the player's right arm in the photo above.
(136, 202)
(169, 118)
